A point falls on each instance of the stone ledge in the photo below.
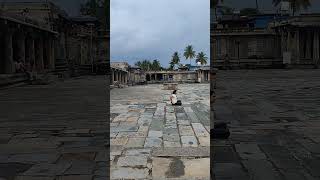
(182, 152)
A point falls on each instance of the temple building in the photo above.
(41, 33)
(245, 42)
(124, 74)
(300, 39)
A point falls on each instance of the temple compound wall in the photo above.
(201, 75)
(124, 74)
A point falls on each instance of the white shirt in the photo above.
(174, 99)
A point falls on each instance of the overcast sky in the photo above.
(144, 29)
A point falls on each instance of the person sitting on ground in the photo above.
(174, 99)
(19, 66)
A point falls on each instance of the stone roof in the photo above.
(84, 19)
(304, 20)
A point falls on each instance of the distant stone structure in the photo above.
(300, 39)
(123, 73)
(245, 42)
(40, 32)
(266, 41)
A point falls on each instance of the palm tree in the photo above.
(175, 58)
(189, 53)
(295, 5)
(171, 65)
(202, 58)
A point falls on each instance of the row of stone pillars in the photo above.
(303, 44)
(156, 77)
(33, 47)
(119, 76)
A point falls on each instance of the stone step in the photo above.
(11, 79)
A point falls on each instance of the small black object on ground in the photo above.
(220, 131)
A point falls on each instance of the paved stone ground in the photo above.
(274, 117)
(55, 132)
(151, 139)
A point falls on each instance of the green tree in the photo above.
(147, 65)
(155, 65)
(295, 5)
(202, 58)
(174, 60)
(189, 53)
(171, 65)
(144, 65)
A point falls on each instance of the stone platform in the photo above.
(151, 139)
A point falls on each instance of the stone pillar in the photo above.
(32, 52)
(316, 47)
(283, 43)
(50, 53)
(297, 46)
(21, 47)
(223, 46)
(39, 55)
(8, 54)
(289, 41)
(112, 76)
(308, 45)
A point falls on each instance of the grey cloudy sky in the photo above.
(155, 29)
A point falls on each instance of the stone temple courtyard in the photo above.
(151, 139)
(60, 131)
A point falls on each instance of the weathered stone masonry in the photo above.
(27, 43)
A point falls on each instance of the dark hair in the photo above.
(174, 92)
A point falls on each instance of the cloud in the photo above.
(154, 29)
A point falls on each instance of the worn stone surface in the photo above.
(160, 130)
(45, 129)
(129, 173)
(132, 161)
(273, 118)
(182, 152)
(135, 142)
(189, 141)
